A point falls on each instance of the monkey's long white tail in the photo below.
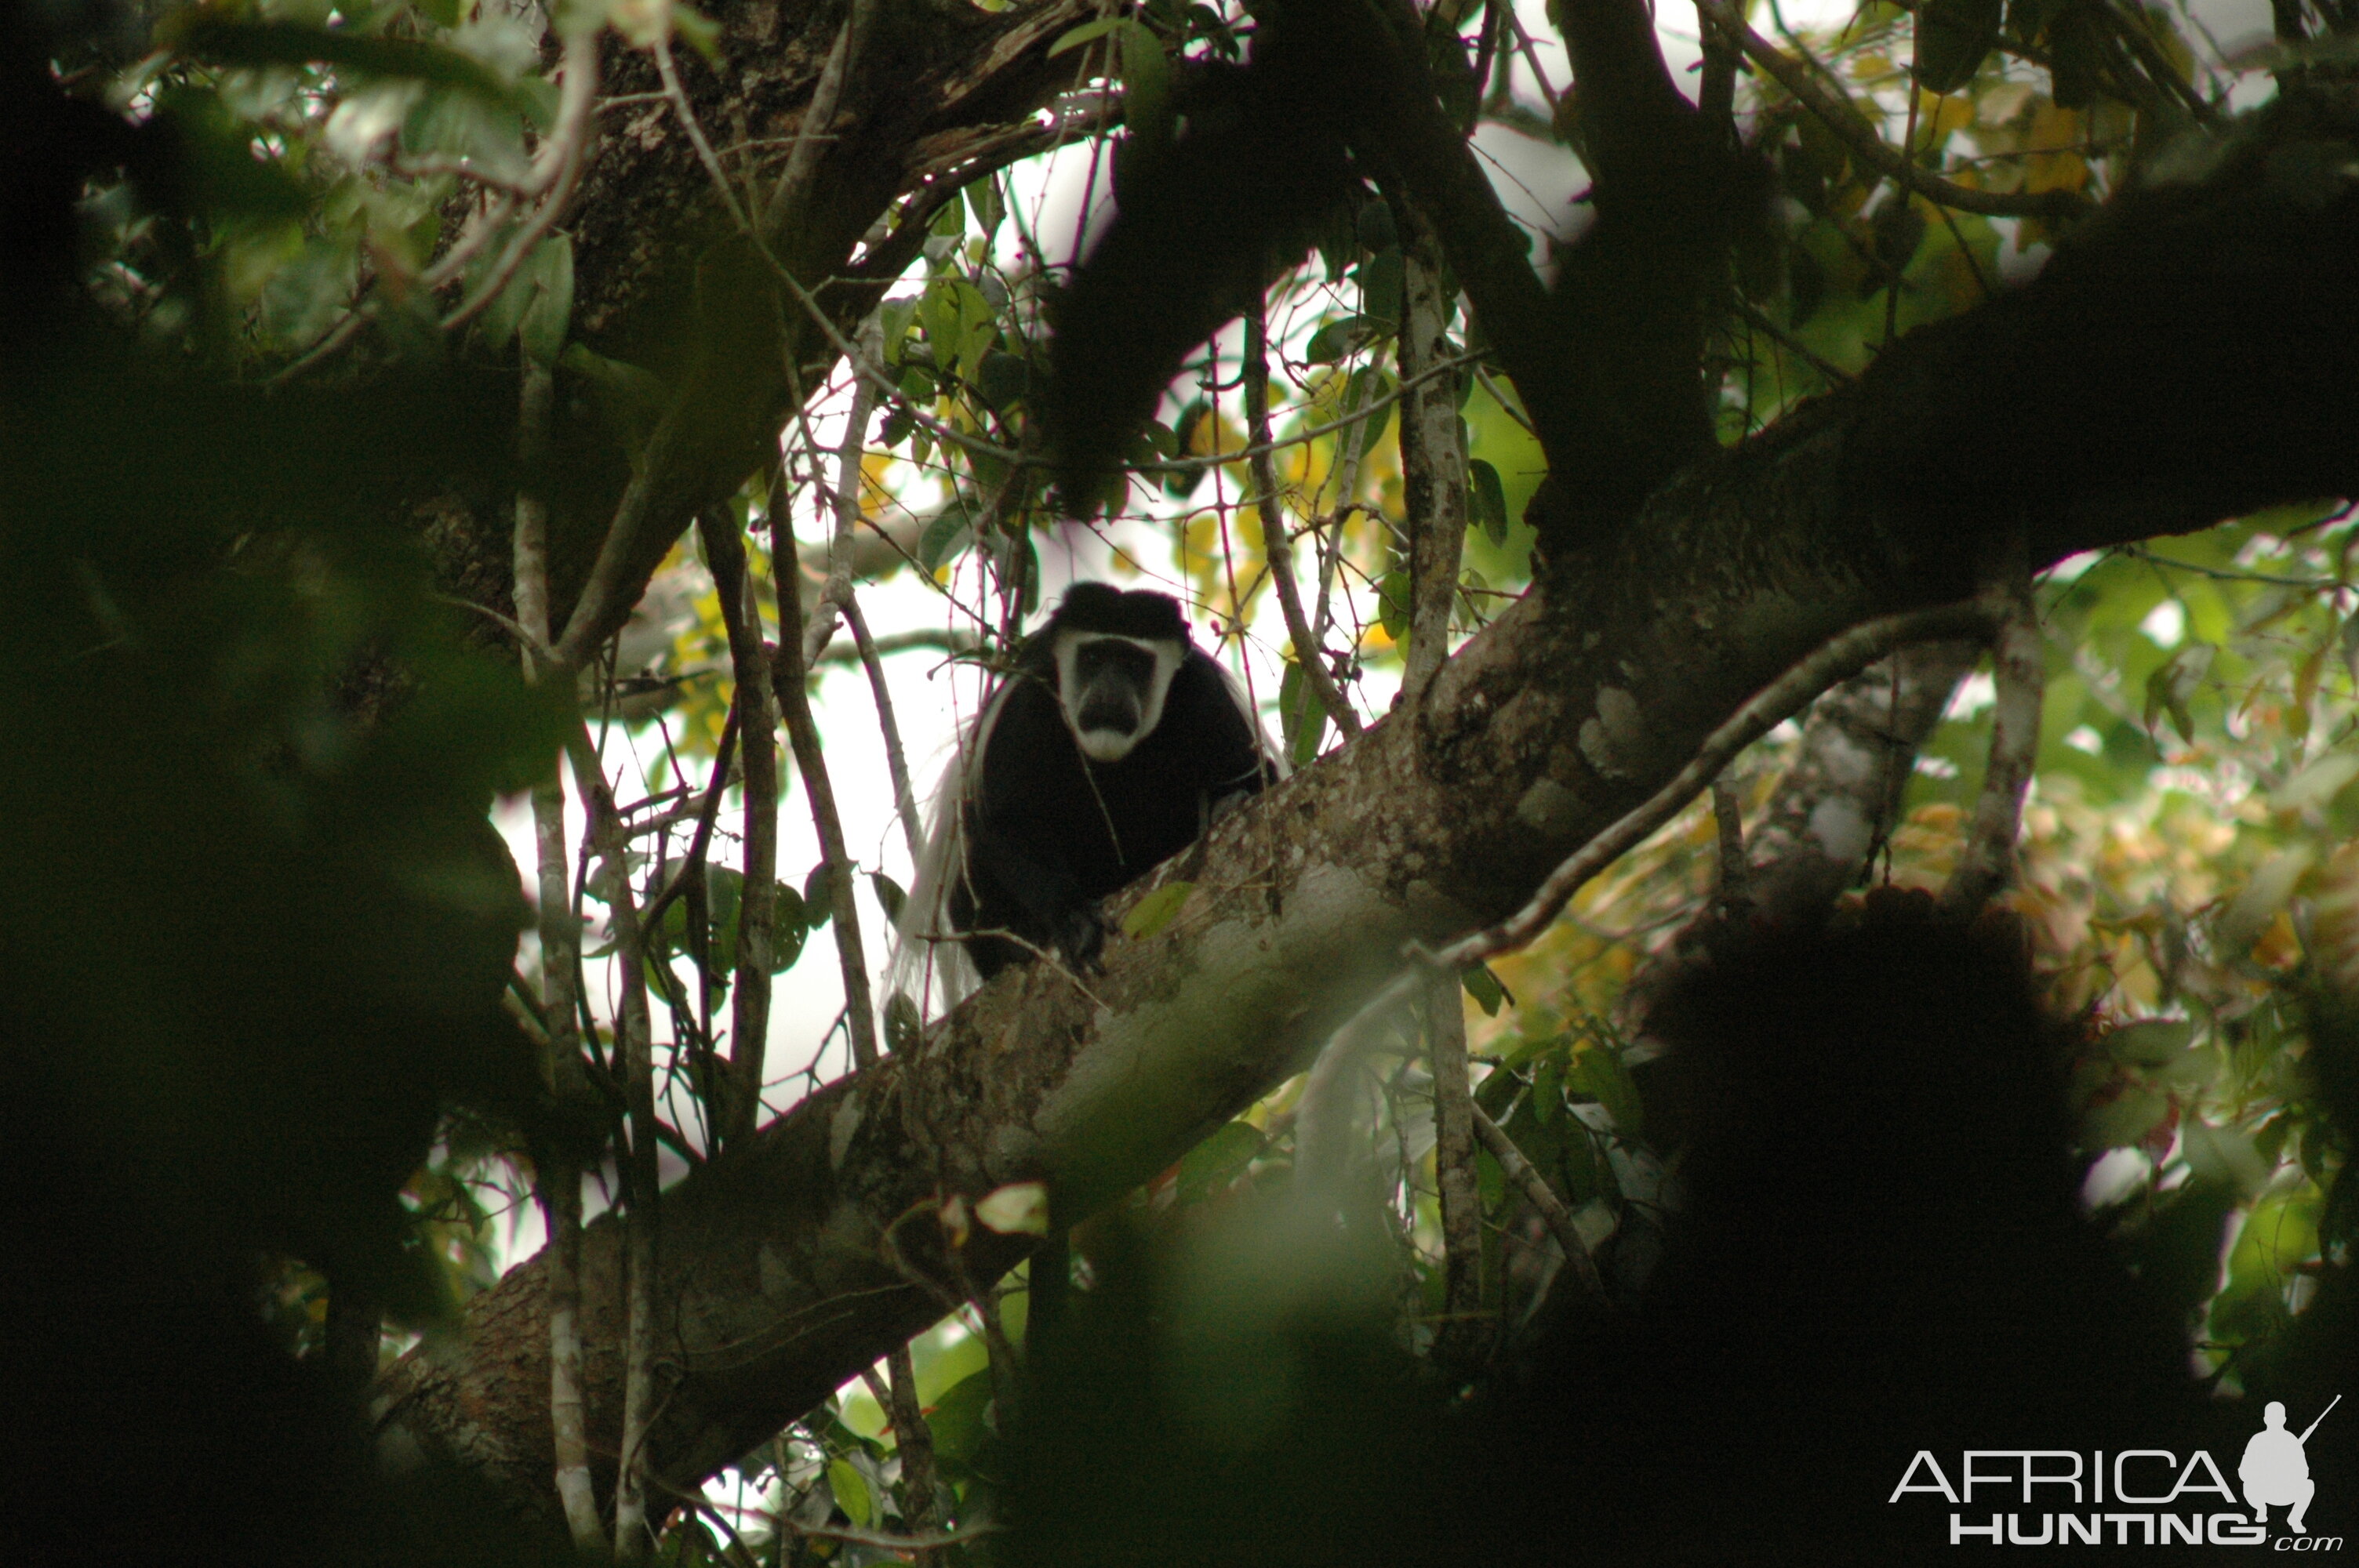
(928, 966)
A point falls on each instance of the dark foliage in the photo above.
(256, 932)
(1881, 1250)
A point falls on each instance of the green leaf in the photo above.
(2122, 1121)
(1485, 988)
(541, 334)
(2269, 890)
(1380, 289)
(1300, 713)
(944, 537)
(1219, 1160)
(1953, 38)
(698, 31)
(1002, 379)
(1490, 499)
(2150, 1042)
(1599, 1072)
(1392, 603)
(195, 33)
(818, 898)
(1074, 37)
(851, 1491)
(1338, 339)
(1146, 82)
(988, 206)
(1155, 911)
(960, 1419)
(1368, 385)
(889, 894)
(632, 398)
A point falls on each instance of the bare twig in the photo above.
(1839, 658)
(954, 644)
(1986, 863)
(631, 1535)
(913, 1443)
(749, 1000)
(1455, 1184)
(685, 112)
(1542, 1197)
(560, 1177)
(1735, 877)
(829, 608)
(1278, 545)
(1760, 321)
(1433, 460)
(896, 761)
(784, 209)
(789, 674)
(2158, 65)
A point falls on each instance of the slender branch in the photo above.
(635, 1032)
(1869, 147)
(1454, 1178)
(1753, 317)
(601, 595)
(2158, 65)
(896, 761)
(913, 1442)
(559, 1175)
(1736, 891)
(685, 112)
(1837, 659)
(1986, 863)
(783, 209)
(789, 677)
(824, 614)
(1278, 545)
(1542, 1197)
(1433, 457)
(749, 997)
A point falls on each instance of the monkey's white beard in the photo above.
(1106, 745)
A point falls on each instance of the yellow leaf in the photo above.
(1019, 1208)
(1155, 911)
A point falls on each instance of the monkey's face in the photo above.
(1111, 688)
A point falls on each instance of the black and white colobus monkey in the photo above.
(1109, 748)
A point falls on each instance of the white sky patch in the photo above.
(2165, 624)
(1975, 693)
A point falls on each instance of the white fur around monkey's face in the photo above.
(1112, 690)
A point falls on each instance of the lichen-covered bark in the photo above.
(789, 1263)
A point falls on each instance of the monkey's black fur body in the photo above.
(1049, 831)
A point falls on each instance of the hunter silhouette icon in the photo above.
(2276, 1469)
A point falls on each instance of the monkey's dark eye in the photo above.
(1129, 662)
